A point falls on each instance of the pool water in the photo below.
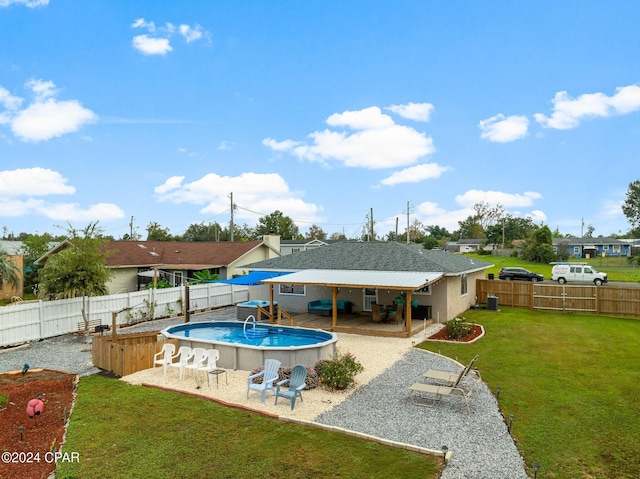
(262, 336)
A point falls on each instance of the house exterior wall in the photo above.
(123, 280)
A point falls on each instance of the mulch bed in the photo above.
(441, 335)
(29, 455)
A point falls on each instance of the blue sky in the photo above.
(324, 110)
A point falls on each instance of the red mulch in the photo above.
(476, 331)
(29, 456)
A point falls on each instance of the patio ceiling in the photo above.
(401, 280)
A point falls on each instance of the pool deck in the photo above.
(356, 324)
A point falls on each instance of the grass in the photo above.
(617, 268)
(124, 431)
(572, 383)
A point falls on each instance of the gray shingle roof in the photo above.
(373, 256)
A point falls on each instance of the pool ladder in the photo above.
(254, 332)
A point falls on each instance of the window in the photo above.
(295, 289)
(616, 248)
(463, 284)
(576, 250)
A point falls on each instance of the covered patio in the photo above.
(405, 282)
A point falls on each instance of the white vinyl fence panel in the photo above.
(35, 320)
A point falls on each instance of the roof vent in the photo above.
(142, 246)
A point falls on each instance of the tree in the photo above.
(34, 247)
(337, 236)
(539, 248)
(203, 232)
(631, 207)
(315, 232)
(277, 223)
(9, 272)
(79, 269)
(155, 232)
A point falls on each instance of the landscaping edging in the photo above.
(460, 342)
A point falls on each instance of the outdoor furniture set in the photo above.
(189, 359)
(438, 384)
(324, 307)
(296, 383)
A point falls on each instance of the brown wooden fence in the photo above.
(603, 300)
(128, 354)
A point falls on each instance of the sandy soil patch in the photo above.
(375, 354)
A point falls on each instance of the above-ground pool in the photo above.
(245, 344)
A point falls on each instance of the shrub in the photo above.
(4, 399)
(339, 372)
(458, 328)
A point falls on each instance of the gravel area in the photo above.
(379, 405)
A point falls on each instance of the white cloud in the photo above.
(413, 111)
(26, 3)
(158, 42)
(19, 189)
(263, 193)
(415, 174)
(568, 112)
(280, 145)
(503, 129)
(191, 34)
(508, 200)
(33, 182)
(45, 117)
(9, 101)
(151, 46)
(72, 212)
(431, 214)
(377, 142)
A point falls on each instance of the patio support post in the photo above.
(408, 316)
(334, 302)
(271, 305)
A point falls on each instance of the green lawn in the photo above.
(617, 268)
(125, 431)
(572, 383)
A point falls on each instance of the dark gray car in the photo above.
(521, 274)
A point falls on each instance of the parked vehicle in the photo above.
(519, 274)
(577, 272)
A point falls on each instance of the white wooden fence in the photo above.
(32, 321)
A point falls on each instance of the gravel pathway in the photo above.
(479, 441)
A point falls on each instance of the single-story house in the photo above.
(134, 264)
(296, 246)
(471, 245)
(592, 247)
(438, 284)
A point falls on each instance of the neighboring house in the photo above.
(591, 247)
(443, 283)
(135, 263)
(471, 245)
(296, 246)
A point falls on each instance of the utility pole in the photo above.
(373, 236)
(131, 229)
(408, 211)
(231, 224)
(396, 228)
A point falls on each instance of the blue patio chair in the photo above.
(269, 374)
(296, 385)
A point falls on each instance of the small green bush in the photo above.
(458, 328)
(339, 372)
(4, 399)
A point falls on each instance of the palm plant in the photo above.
(9, 272)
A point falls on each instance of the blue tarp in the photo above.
(253, 278)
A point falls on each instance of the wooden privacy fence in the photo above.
(128, 354)
(603, 300)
